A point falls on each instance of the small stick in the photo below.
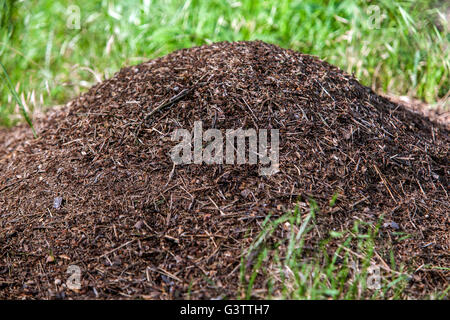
(169, 102)
(384, 182)
(119, 247)
(174, 99)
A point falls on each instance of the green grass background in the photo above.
(400, 47)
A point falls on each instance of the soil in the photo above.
(98, 189)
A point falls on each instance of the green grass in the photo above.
(401, 47)
(16, 98)
(344, 265)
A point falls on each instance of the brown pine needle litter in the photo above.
(138, 226)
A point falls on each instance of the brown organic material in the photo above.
(98, 189)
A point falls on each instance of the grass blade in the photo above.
(16, 97)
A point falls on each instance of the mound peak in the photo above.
(122, 207)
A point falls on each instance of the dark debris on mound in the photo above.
(98, 188)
